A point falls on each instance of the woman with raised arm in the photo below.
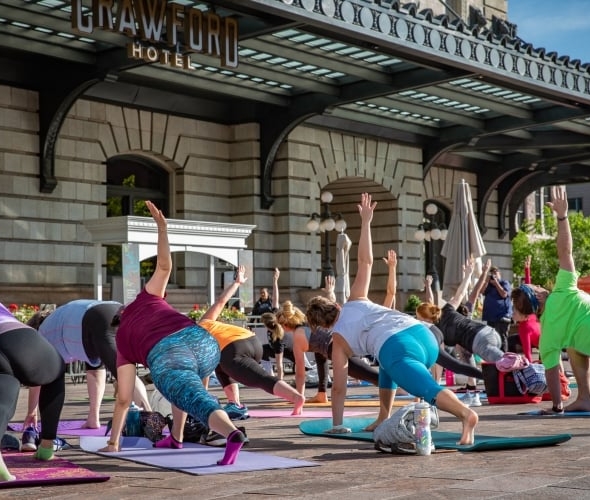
(178, 353)
(457, 328)
(565, 316)
(241, 352)
(320, 343)
(404, 347)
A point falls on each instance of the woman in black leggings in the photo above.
(81, 330)
(27, 358)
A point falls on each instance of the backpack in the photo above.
(397, 433)
(193, 429)
(531, 379)
(151, 423)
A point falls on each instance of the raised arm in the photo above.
(527, 270)
(475, 293)
(391, 261)
(559, 205)
(275, 289)
(159, 280)
(462, 289)
(360, 286)
(329, 287)
(428, 295)
(215, 310)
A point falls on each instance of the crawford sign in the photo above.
(163, 32)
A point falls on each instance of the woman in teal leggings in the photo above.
(404, 347)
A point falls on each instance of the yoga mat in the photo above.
(352, 401)
(540, 413)
(350, 404)
(278, 413)
(32, 472)
(442, 440)
(192, 458)
(66, 427)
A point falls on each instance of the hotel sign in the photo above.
(162, 32)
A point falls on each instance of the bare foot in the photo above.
(90, 425)
(320, 397)
(372, 426)
(298, 405)
(469, 422)
(578, 405)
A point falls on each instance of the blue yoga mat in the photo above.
(442, 440)
(540, 413)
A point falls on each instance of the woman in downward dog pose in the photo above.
(241, 352)
(178, 353)
(404, 347)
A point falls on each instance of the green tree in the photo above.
(114, 252)
(543, 250)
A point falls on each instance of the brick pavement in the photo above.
(350, 470)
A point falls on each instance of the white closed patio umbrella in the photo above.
(342, 285)
(463, 239)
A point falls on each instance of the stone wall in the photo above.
(46, 255)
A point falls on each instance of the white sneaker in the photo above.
(471, 399)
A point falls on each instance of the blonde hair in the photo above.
(269, 320)
(322, 312)
(290, 316)
(428, 312)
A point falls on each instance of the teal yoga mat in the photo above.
(442, 440)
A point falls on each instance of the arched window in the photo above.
(132, 179)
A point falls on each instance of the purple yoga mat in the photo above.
(32, 472)
(306, 413)
(192, 458)
(67, 428)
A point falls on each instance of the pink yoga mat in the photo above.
(306, 413)
(32, 472)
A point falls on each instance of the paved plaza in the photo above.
(348, 469)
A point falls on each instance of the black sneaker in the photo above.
(215, 439)
(465, 388)
(10, 443)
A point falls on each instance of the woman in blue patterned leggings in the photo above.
(178, 353)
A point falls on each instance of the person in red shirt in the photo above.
(525, 314)
(178, 353)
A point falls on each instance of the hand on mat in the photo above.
(338, 429)
(30, 420)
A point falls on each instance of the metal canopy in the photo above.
(472, 99)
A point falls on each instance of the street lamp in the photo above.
(325, 223)
(431, 231)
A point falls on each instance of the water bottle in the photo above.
(422, 428)
(449, 378)
(133, 422)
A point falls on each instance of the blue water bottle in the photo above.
(133, 422)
